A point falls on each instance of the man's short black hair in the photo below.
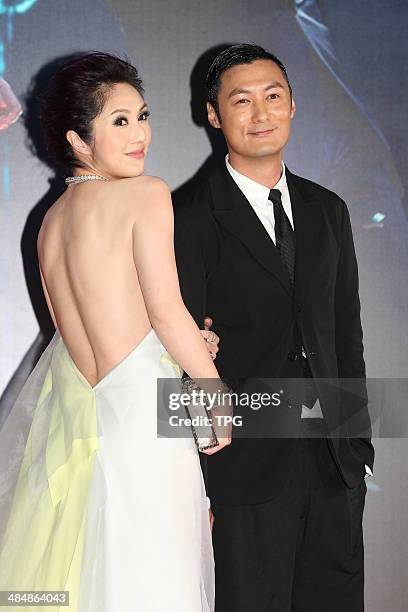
(233, 56)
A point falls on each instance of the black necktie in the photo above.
(284, 234)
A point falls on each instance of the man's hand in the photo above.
(210, 337)
(211, 518)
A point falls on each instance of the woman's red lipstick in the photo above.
(137, 154)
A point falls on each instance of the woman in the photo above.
(102, 507)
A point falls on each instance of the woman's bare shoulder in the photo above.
(146, 193)
(145, 185)
(49, 218)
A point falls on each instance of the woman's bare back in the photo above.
(89, 275)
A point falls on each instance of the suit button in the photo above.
(311, 355)
(299, 307)
(292, 356)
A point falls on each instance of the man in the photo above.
(270, 257)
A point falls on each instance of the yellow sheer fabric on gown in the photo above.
(44, 535)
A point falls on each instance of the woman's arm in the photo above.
(153, 252)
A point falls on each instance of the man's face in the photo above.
(255, 109)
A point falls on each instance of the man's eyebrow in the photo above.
(237, 91)
(126, 110)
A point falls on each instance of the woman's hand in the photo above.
(223, 429)
(222, 443)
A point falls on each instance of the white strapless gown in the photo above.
(92, 501)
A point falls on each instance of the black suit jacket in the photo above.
(230, 269)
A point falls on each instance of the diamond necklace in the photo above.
(80, 178)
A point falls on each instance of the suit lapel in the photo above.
(236, 214)
(306, 213)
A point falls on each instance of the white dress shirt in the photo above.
(258, 197)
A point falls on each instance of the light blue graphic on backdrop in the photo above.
(309, 18)
(378, 217)
(9, 9)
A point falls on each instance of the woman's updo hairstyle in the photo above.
(76, 95)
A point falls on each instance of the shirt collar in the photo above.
(251, 187)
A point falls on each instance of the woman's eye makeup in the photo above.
(118, 121)
(122, 120)
(145, 115)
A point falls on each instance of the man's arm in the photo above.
(191, 268)
(190, 260)
(349, 341)
(348, 330)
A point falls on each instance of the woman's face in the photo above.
(121, 134)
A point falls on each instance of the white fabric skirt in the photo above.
(93, 501)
